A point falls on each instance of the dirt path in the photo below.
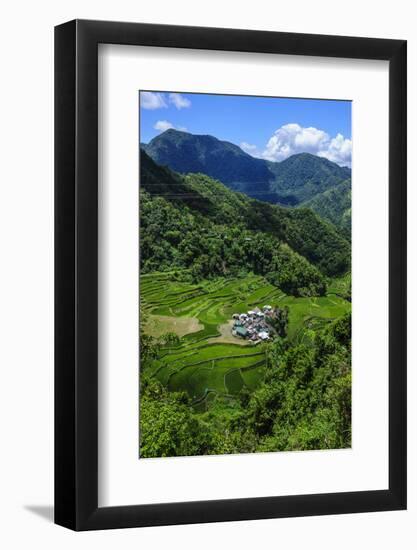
(226, 336)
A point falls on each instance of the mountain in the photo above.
(211, 204)
(303, 176)
(290, 182)
(334, 205)
(187, 153)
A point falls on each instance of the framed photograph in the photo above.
(230, 275)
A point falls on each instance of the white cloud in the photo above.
(152, 100)
(179, 101)
(163, 125)
(250, 149)
(293, 138)
(339, 151)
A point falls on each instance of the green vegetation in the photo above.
(203, 398)
(208, 253)
(301, 177)
(334, 205)
(194, 221)
(206, 378)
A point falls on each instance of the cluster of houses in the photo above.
(253, 325)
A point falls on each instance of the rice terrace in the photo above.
(208, 363)
(245, 275)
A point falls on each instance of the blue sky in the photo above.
(272, 128)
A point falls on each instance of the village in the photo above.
(254, 325)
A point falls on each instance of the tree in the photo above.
(279, 320)
(167, 425)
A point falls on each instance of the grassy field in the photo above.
(157, 325)
(207, 364)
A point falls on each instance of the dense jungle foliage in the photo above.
(334, 205)
(187, 218)
(303, 403)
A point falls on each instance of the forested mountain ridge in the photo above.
(302, 176)
(187, 153)
(334, 205)
(290, 182)
(195, 217)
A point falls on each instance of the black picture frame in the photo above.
(76, 272)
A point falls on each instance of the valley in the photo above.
(295, 181)
(201, 363)
(224, 234)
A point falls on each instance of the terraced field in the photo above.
(203, 365)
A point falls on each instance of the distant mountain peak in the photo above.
(172, 132)
(177, 136)
(309, 157)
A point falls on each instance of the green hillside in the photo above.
(204, 215)
(334, 205)
(303, 176)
